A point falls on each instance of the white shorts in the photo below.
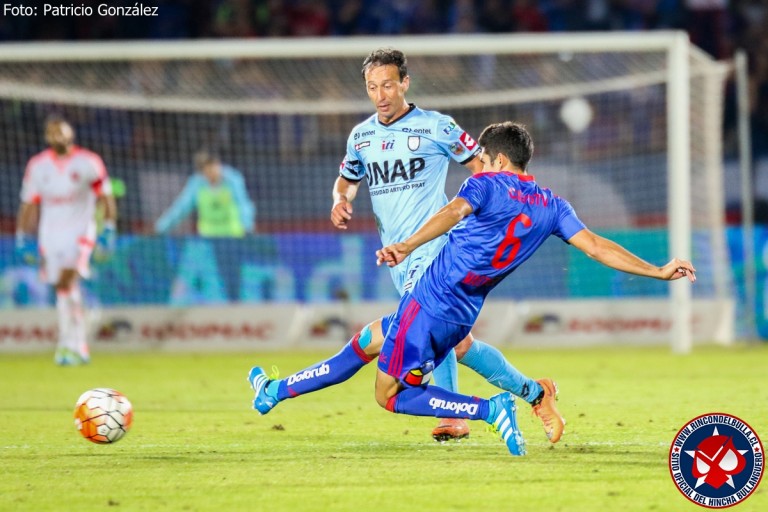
(407, 273)
(61, 254)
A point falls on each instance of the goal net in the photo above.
(626, 126)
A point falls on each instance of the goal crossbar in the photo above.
(279, 48)
(682, 63)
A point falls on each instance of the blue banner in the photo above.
(262, 268)
(736, 248)
(310, 267)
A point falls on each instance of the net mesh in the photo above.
(598, 119)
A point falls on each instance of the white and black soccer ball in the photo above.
(103, 415)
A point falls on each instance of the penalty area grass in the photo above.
(197, 445)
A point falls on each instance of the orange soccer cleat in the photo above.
(545, 409)
(451, 428)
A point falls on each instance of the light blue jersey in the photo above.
(405, 164)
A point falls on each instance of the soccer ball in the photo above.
(103, 415)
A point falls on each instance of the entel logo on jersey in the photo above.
(365, 134)
(716, 460)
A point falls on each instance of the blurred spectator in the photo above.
(273, 18)
(527, 17)
(174, 20)
(632, 14)
(495, 16)
(707, 25)
(430, 17)
(233, 18)
(759, 114)
(310, 19)
(347, 17)
(717, 26)
(669, 14)
(218, 193)
(597, 14)
(463, 17)
(564, 15)
(385, 16)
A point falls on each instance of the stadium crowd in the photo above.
(139, 140)
(717, 26)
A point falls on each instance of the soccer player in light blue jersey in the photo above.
(498, 219)
(403, 153)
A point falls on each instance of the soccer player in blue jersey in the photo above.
(403, 153)
(497, 220)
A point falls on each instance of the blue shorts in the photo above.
(415, 342)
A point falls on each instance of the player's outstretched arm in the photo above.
(475, 165)
(438, 224)
(344, 192)
(182, 206)
(613, 255)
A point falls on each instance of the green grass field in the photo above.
(197, 445)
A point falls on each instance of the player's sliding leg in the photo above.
(489, 362)
(544, 408)
(358, 352)
(499, 411)
(446, 375)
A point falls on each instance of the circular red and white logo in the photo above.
(716, 460)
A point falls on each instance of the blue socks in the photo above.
(446, 375)
(441, 401)
(330, 372)
(438, 402)
(489, 362)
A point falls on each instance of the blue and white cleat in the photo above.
(504, 422)
(258, 380)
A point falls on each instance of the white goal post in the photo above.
(627, 126)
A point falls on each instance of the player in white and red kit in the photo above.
(62, 187)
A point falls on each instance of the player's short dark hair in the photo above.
(384, 57)
(205, 157)
(510, 139)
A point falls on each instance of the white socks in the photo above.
(72, 329)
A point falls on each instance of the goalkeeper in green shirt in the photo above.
(217, 191)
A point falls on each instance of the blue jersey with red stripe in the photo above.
(512, 217)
